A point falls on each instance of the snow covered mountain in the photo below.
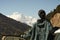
(22, 18)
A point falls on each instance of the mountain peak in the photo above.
(9, 26)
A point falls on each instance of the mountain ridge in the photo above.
(9, 26)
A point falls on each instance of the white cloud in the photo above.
(15, 16)
(22, 18)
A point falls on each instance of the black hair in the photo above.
(40, 12)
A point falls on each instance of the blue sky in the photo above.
(27, 7)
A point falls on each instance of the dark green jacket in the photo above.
(39, 32)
